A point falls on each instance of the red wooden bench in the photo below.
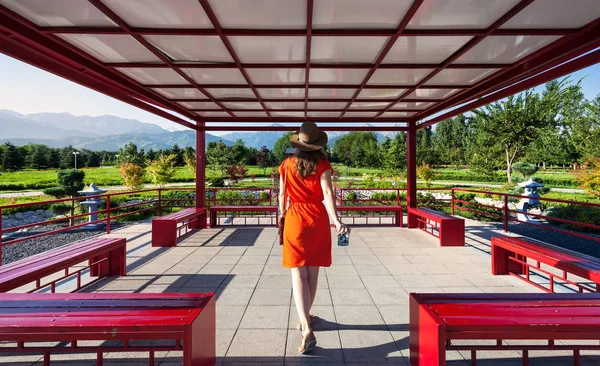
(510, 256)
(165, 231)
(214, 211)
(398, 213)
(183, 322)
(436, 320)
(450, 229)
(106, 257)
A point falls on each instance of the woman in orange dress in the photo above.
(306, 180)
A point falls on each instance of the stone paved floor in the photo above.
(362, 299)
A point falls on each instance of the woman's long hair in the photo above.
(306, 161)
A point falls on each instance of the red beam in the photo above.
(301, 32)
(309, 16)
(331, 65)
(313, 86)
(27, 33)
(310, 100)
(14, 48)
(469, 45)
(552, 55)
(403, 23)
(150, 47)
(215, 22)
(302, 110)
(562, 70)
(295, 128)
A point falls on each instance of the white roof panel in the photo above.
(359, 14)
(459, 76)
(191, 48)
(153, 75)
(424, 49)
(181, 93)
(346, 49)
(505, 49)
(555, 14)
(160, 13)
(216, 76)
(459, 14)
(59, 13)
(260, 14)
(111, 47)
(271, 49)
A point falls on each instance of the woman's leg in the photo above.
(313, 280)
(302, 296)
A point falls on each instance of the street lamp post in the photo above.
(75, 153)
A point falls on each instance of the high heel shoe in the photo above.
(312, 319)
(308, 344)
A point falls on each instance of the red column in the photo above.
(411, 172)
(201, 169)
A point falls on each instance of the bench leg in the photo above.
(399, 218)
(452, 233)
(427, 336)
(412, 220)
(202, 221)
(199, 345)
(164, 233)
(213, 218)
(118, 261)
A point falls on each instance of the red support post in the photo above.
(201, 169)
(506, 213)
(411, 172)
(453, 201)
(159, 202)
(0, 236)
(108, 213)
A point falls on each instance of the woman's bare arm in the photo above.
(281, 192)
(329, 201)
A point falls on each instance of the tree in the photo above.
(12, 159)
(162, 169)
(130, 154)
(179, 158)
(281, 145)
(190, 161)
(590, 178)
(93, 159)
(151, 155)
(395, 157)
(514, 123)
(426, 173)
(239, 151)
(37, 156)
(236, 172)
(425, 150)
(450, 141)
(133, 175)
(358, 149)
(70, 182)
(264, 158)
(219, 155)
(526, 170)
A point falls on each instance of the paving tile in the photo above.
(275, 281)
(415, 281)
(265, 317)
(402, 269)
(364, 259)
(380, 281)
(359, 317)
(248, 269)
(449, 281)
(225, 259)
(234, 296)
(388, 296)
(240, 281)
(325, 317)
(328, 350)
(371, 270)
(344, 281)
(229, 316)
(353, 296)
(372, 346)
(341, 270)
(271, 296)
(253, 259)
(257, 345)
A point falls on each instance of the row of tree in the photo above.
(38, 156)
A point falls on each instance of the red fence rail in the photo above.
(160, 200)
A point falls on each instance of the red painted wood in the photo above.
(522, 317)
(398, 210)
(572, 262)
(214, 210)
(164, 228)
(451, 229)
(22, 272)
(74, 317)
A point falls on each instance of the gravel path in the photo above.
(14, 252)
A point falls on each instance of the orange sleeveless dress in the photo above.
(307, 232)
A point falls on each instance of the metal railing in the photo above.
(161, 200)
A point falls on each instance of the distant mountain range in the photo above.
(110, 132)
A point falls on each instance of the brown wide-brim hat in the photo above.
(309, 138)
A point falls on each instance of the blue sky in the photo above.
(26, 89)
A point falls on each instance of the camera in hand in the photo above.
(344, 239)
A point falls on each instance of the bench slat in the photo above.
(183, 214)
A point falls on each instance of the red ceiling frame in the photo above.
(105, 72)
(14, 48)
(309, 16)
(557, 72)
(552, 55)
(150, 47)
(295, 128)
(302, 32)
(405, 20)
(464, 49)
(215, 22)
(313, 86)
(331, 65)
(23, 29)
